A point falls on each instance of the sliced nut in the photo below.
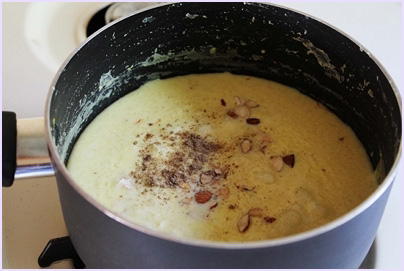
(245, 188)
(243, 223)
(289, 160)
(246, 146)
(263, 137)
(276, 162)
(269, 219)
(218, 171)
(226, 171)
(206, 178)
(253, 121)
(203, 196)
(214, 205)
(242, 111)
(223, 192)
(238, 100)
(232, 114)
(218, 174)
(251, 104)
(255, 212)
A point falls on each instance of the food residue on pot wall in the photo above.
(148, 19)
(322, 59)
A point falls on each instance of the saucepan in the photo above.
(253, 39)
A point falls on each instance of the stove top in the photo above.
(37, 37)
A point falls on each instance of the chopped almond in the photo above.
(242, 111)
(243, 223)
(238, 100)
(232, 114)
(218, 171)
(203, 196)
(269, 219)
(244, 188)
(255, 212)
(276, 162)
(289, 160)
(253, 121)
(205, 178)
(246, 146)
(263, 137)
(251, 104)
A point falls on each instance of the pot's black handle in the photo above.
(9, 120)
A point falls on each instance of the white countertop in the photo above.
(31, 210)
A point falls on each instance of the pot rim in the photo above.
(381, 189)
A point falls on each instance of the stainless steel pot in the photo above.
(243, 38)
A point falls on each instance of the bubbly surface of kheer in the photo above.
(222, 157)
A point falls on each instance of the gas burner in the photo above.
(60, 249)
(53, 30)
(113, 12)
(97, 21)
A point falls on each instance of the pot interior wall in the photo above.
(252, 39)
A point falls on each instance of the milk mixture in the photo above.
(222, 157)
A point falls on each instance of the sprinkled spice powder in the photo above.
(179, 167)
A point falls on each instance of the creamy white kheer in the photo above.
(222, 157)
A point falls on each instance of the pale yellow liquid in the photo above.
(332, 173)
